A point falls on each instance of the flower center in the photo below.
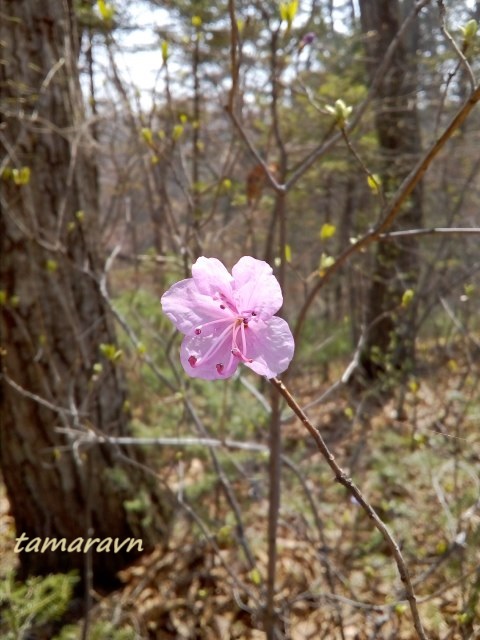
(236, 328)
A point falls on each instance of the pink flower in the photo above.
(228, 319)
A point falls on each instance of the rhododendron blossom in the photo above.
(229, 318)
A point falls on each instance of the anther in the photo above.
(219, 367)
(192, 361)
(198, 332)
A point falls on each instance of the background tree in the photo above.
(60, 364)
(390, 330)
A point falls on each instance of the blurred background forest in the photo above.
(338, 140)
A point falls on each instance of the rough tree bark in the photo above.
(390, 339)
(52, 315)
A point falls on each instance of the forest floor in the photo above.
(418, 464)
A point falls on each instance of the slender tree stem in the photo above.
(275, 445)
(348, 483)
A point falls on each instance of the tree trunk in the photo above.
(53, 318)
(390, 337)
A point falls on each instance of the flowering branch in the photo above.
(348, 483)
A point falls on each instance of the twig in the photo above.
(347, 482)
(410, 233)
(360, 110)
(392, 210)
(274, 467)
(461, 55)
(89, 437)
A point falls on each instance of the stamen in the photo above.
(199, 329)
(236, 351)
(192, 361)
(217, 344)
(219, 368)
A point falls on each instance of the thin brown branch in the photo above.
(432, 231)
(393, 208)
(461, 55)
(342, 478)
(360, 110)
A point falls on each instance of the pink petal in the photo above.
(256, 288)
(270, 345)
(187, 308)
(220, 365)
(211, 277)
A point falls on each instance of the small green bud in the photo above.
(326, 262)
(469, 32)
(107, 11)
(407, 297)
(255, 576)
(288, 11)
(51, 266)
(374, 182)
(341, 112)
(327, 231)
(147, 135)
(177, 131)
(110, 352)
(21, 176)
(165, 53)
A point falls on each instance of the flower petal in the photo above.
(256, 288)
(187, 308)
(198, 363)
(270, 345)
(211, 277)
